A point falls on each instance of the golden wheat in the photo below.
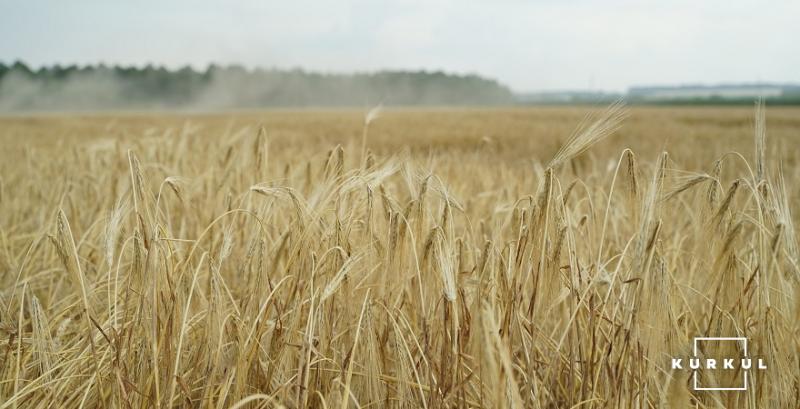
(416, 259)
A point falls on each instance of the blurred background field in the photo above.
(522, 135)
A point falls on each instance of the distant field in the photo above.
(439, 258)
(527, 134)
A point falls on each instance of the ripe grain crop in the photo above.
(413, 259)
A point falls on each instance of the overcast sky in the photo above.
(529, 45)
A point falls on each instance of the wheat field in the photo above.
(531, 257)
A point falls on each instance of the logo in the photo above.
(719, 364)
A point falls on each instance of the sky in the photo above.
(529, 45)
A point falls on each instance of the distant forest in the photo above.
(70, 88)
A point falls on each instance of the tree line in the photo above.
(153, 87)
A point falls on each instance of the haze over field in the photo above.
(103, 88)
(96, 88)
